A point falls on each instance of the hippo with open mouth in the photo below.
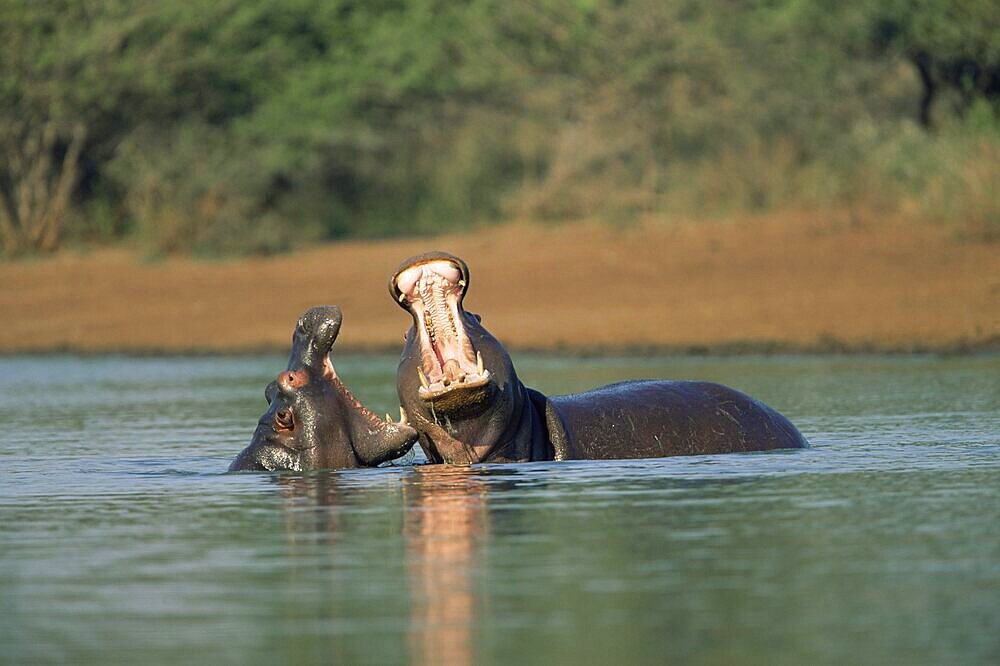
(313, 421)
(458, 386)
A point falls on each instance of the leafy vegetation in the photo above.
(234, 126)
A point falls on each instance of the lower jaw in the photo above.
(464, 398)
(431, 392)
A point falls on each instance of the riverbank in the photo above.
(791, 282)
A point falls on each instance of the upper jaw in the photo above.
(432, 287)
(427, 257)
(312, 341)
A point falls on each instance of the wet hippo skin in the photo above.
(462, 394)
(313, 421)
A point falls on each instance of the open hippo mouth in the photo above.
(432, 288)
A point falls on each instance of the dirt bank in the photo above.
(784, 282)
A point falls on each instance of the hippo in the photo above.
(313, 421)
(459, 388)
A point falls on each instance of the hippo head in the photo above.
(455, 380)
(313, 421)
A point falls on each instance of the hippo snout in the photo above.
(263, 455)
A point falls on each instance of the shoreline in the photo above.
(750, 348)
(790, 283)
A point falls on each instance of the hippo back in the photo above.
(648, 419)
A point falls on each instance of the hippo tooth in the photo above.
(402, 297)
(402, 414)
(423, 377)
(388, 418)
(479, 362)
(461, 283)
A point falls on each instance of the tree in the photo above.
(953, 44)
(36, 185)
(40, 148)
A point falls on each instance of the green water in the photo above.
(121, 540)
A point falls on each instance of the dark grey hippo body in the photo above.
(648, 419)
(313, 421)
(460, 390)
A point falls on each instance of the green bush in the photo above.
(199, 190)
(246, 126)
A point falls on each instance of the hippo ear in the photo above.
(315, 333)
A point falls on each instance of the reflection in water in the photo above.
(445, 526)
(302, 497)
(877, 545)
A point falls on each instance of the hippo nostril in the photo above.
(293, 379)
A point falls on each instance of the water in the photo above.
(121, 539)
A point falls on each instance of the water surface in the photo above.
(122, 540)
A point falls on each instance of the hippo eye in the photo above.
(283, 419)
